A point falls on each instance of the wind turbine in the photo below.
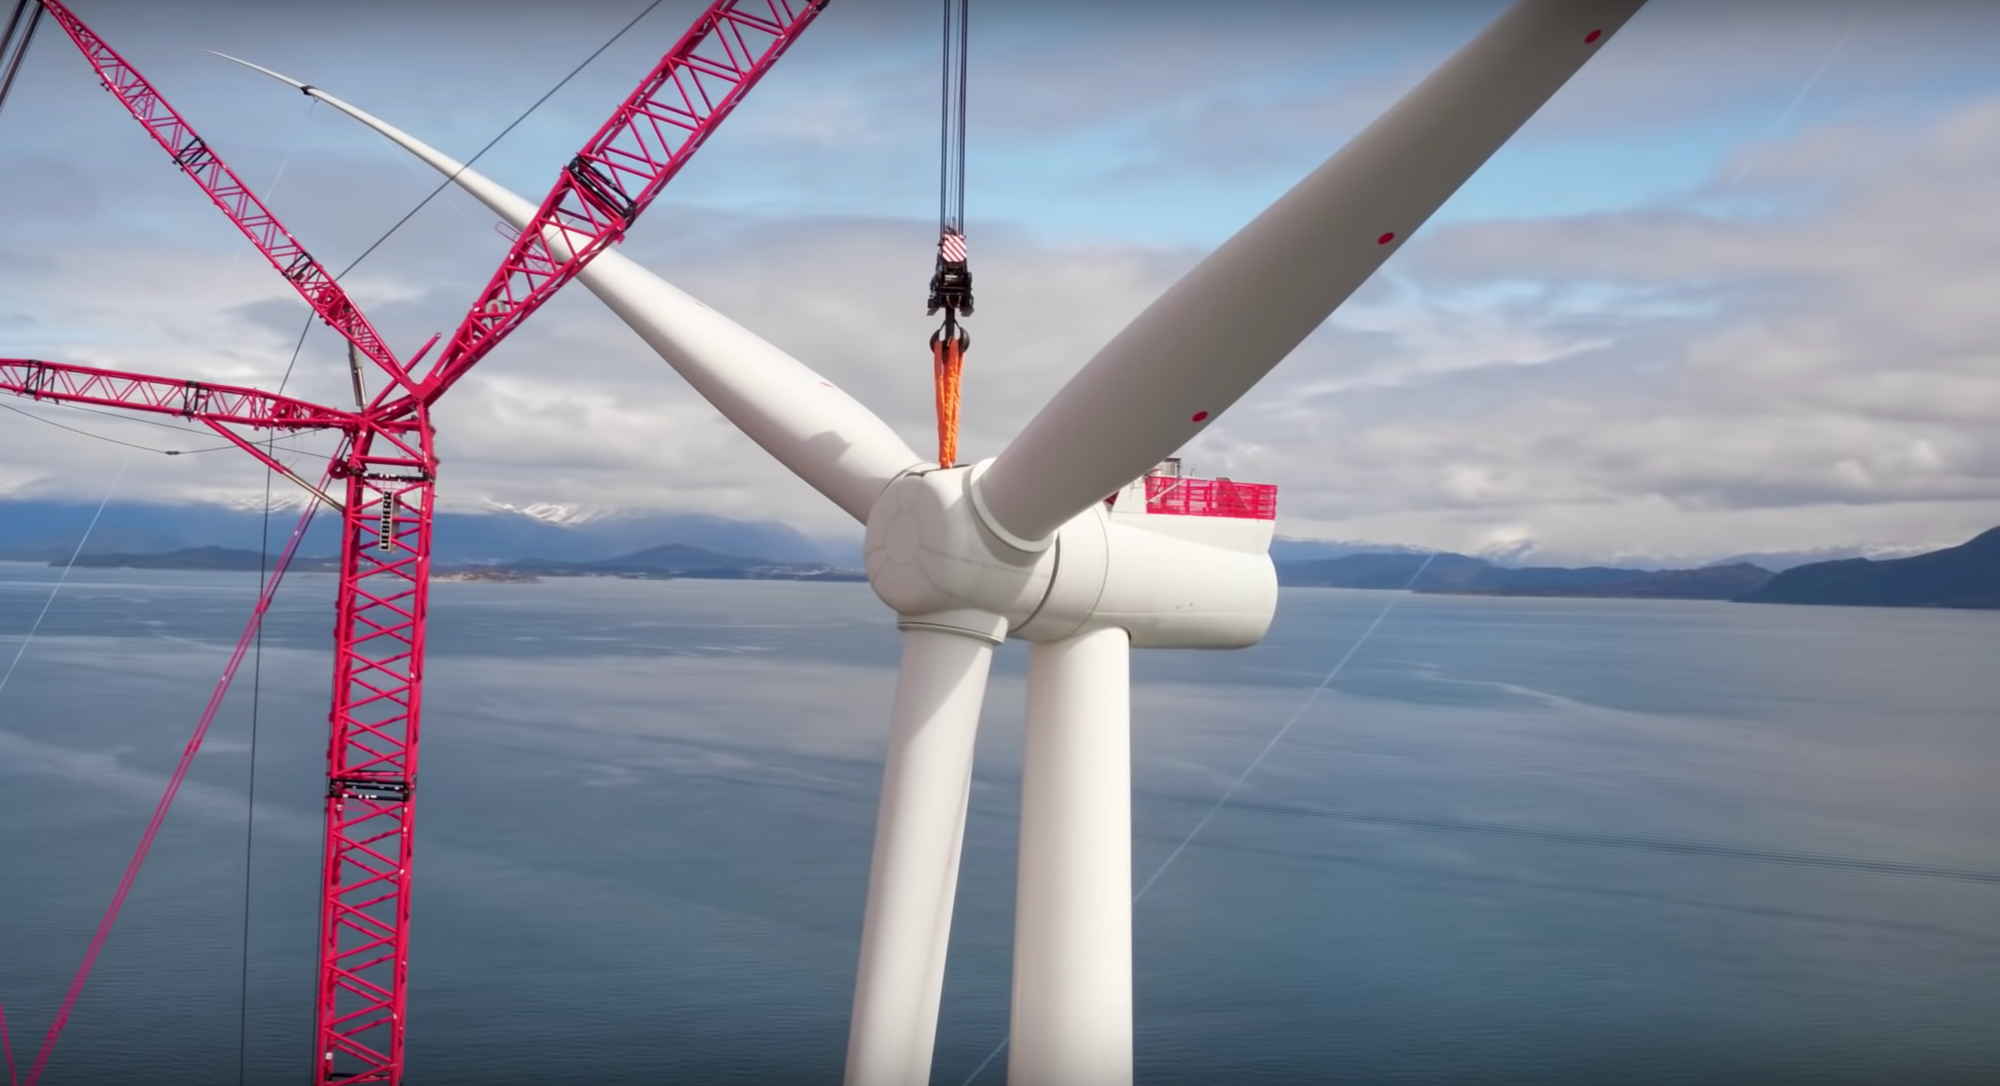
(1026, 545)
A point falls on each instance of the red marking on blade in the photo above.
(1199, 415)
(1386, 238)
(1592, 36)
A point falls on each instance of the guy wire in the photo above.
(1271, 744)
(64, 578)
(250, 801)
(113, 440)
(446, 183)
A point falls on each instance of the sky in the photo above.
(1735, 289)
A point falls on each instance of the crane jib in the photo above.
(387, 463)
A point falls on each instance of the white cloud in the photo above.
(1838, 366)
(1804, 358)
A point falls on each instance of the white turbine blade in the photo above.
(1073, 905)
(1219, 330)
(515, 210)
(826, 437)
(913, 878)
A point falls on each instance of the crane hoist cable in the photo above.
(951, 283)
(13, 51)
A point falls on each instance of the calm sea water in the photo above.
(1514, 841)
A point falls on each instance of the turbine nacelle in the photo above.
(1168, 581)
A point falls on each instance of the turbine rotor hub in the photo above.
(1165, 580)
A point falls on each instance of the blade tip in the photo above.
(279, 76)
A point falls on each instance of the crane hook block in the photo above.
(951, 284)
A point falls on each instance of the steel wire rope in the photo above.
(250, 788)
(6, 83)
(263, 556)
(951, 119)
(290, 366)
(1670, 846)
(140, 419)
(447, 182)
(1269, 745)
(64, 577)
(166, 801)
(1811, 82)
(1314, 695)
(113, 440)
(257, 695)
(7, 55)
(13, 21)
(15, 62)
(6, 1043)
(951, 291)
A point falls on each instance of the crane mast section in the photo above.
(389, 468)
(611, 181)
(195, 158)
(379, 634)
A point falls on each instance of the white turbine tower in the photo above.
(1025, 545)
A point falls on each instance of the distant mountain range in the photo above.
(1293, 549)
(1967, 575)
(1457, 574)
(1963, 576)
(42, 531)
(203, 558)
(489, 547)
(682, 560)
(663, 562)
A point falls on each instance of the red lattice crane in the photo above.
(385, 469)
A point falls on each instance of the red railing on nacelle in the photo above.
(1181, 497)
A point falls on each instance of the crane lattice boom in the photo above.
(626, 164)
(387, 465)
(193, 155)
